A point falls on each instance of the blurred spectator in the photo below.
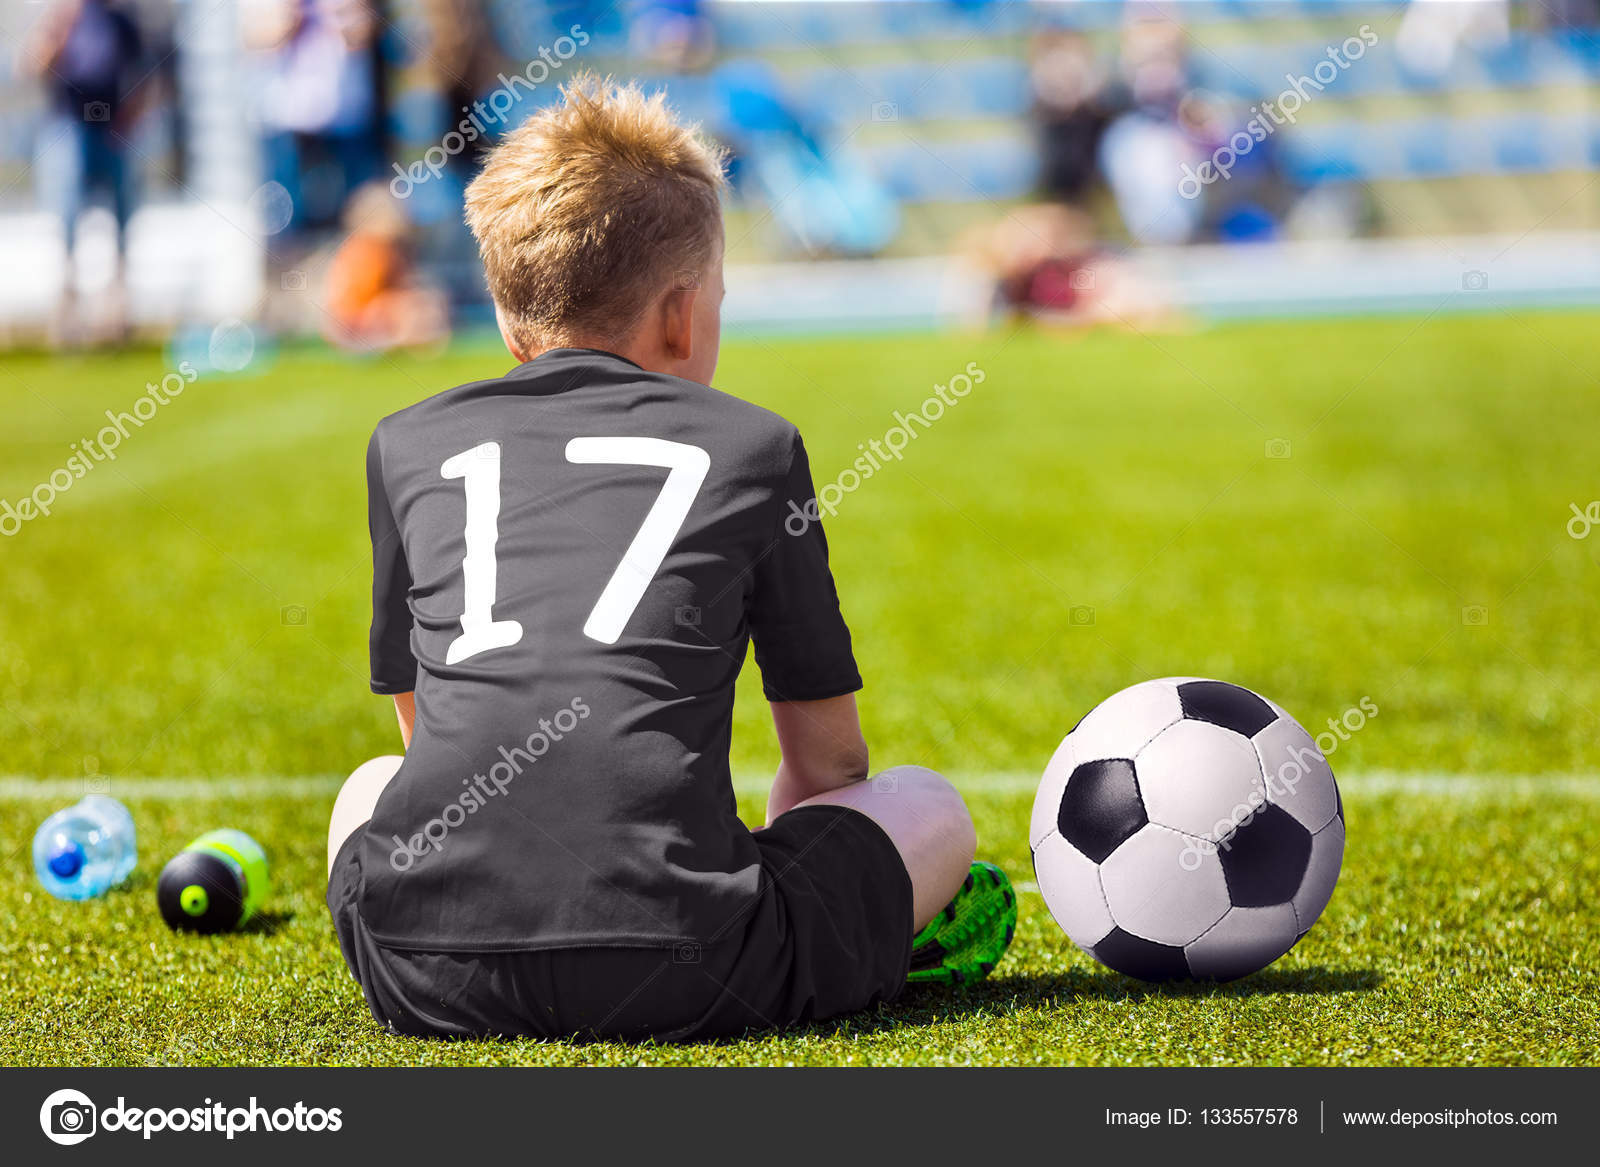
(1567, 13)
(1144, 150)
(461, 61)
(1433, 30)
(1254, 199)
(320, 123)
(87, 53)
(1070, 112)
(1044, 263)
(676, 35)
(375, 298)
(1153, 63)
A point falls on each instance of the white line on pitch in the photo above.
(315, 786)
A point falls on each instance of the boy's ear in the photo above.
(677, 321)
(513, 346)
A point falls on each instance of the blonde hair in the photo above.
(590, 208)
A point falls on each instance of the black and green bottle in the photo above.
(215, 884)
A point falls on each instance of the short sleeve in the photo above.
(801, 640)
(394, 668)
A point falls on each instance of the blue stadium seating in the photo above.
(1355, 145)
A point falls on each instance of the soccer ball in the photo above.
(1187, 828)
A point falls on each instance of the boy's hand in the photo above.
(405, 709)
(822, 749)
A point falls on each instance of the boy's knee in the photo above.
(365, 783)
(357, 798)
(939, 802)
(917, 779)
(375, 771)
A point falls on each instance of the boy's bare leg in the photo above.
(926, 819)
(357, 798)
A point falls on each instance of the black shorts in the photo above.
(830, 933)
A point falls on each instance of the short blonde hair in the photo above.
(590, 208)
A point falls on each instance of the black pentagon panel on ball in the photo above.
(1265, 859)
(1101, 807)
(1226, 705)
(1135, 956)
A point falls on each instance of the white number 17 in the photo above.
(686, 468)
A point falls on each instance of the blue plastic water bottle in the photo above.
(86, 849)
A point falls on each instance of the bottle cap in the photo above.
(67, 860)
(200, 892)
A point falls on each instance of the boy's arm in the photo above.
(821, 750)
(808, 671)
(394, 669)
(405, 709)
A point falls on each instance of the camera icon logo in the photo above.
(686, 952)
(1475, 616)
(294, 280)
(96, 111)
(686, 280)
(1081, 615)
(1278, 447)
(1474, 281)
(67, 1117)
(293, 616)
(885, 111)
(1082, 279)
(686, 616)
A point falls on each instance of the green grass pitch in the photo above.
(1099, 510)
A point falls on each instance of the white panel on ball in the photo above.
(1070, 884)
(1322, 873)
(1047, 803)
(1124, 721)
(1247, 939)
(1200, 779)
(1297, 775)
(1163, 886)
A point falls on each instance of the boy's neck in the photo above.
(651, 361)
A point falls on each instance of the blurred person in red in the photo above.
(1044, 263)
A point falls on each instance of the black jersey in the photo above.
(568, 564)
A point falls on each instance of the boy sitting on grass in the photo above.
(568, 564)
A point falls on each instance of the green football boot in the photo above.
(966, 940)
